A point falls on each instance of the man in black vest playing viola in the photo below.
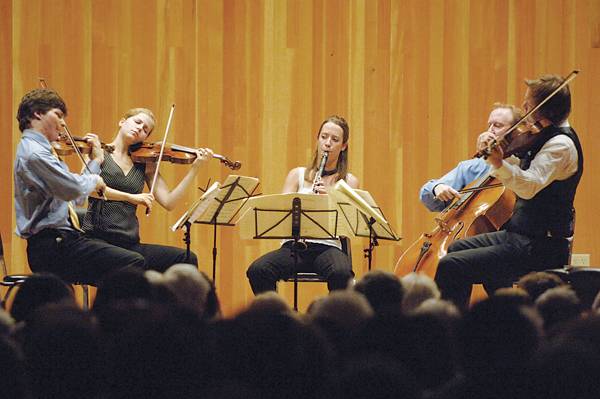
(545, 180)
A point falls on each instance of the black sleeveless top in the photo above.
(550, 212)
(116, 221)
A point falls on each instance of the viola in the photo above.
(178, 154)
(68, 136)
(522, 135)
(64, 147)
(516, 140)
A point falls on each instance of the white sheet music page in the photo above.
(197, 207)
(232, 194)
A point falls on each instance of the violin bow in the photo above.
(162, 150)
(75, 148)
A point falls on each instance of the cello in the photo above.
(484, 206)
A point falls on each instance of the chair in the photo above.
(585, 281)
(12, 281)
(309, 277)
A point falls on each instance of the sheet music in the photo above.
(344, 193)
(229, 207)
(197, 207)
(358, 205)
(205, 201)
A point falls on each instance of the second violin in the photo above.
(150, 152)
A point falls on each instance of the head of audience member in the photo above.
(495, 336)
(154, 350)
(582, 329)
(37, 290)
(275, 354)
(269, 302)
(568, 369)
(374, 376)
(444, 311)
(37, 103)
(596, 305)
(515, 295)
(15, 384)
(192, 289)
(417, 288)
(63, 353)
(7, 324)
(558, 305)
(127, 284)
(339, 315)
(383, 290)
(536, 283)
(423, 343)
(346, 309)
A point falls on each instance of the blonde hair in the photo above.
(516, 112)
(134, 111)
(417, 289)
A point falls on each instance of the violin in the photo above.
(178, 154)
(64, 147)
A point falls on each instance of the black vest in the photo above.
(550, 212)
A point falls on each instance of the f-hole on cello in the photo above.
(484, 206)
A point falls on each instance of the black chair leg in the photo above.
(296, 292)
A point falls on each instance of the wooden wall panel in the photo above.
(253, 80)
(6, 126)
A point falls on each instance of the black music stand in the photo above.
(364, 217)
(291, 216)
(218, 206)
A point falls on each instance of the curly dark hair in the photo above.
(38, 100)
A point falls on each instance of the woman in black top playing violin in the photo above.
(115, 220)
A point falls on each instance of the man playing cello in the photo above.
(437, 194)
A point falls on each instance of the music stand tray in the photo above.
(270, 217)
(364, 217)
(218, 206)
(292, 216)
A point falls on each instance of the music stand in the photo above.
(363, 216)
(218, 206)
(291, 216)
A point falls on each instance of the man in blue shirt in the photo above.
(44, 187)
(437, 194)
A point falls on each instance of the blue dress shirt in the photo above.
(44, 185)
(464, 173)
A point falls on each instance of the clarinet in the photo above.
(320, 172)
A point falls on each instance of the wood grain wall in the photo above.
(253, 79)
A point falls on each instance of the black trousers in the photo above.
(161, 257)
(327, 261)
(74, 257)
(495, 260)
